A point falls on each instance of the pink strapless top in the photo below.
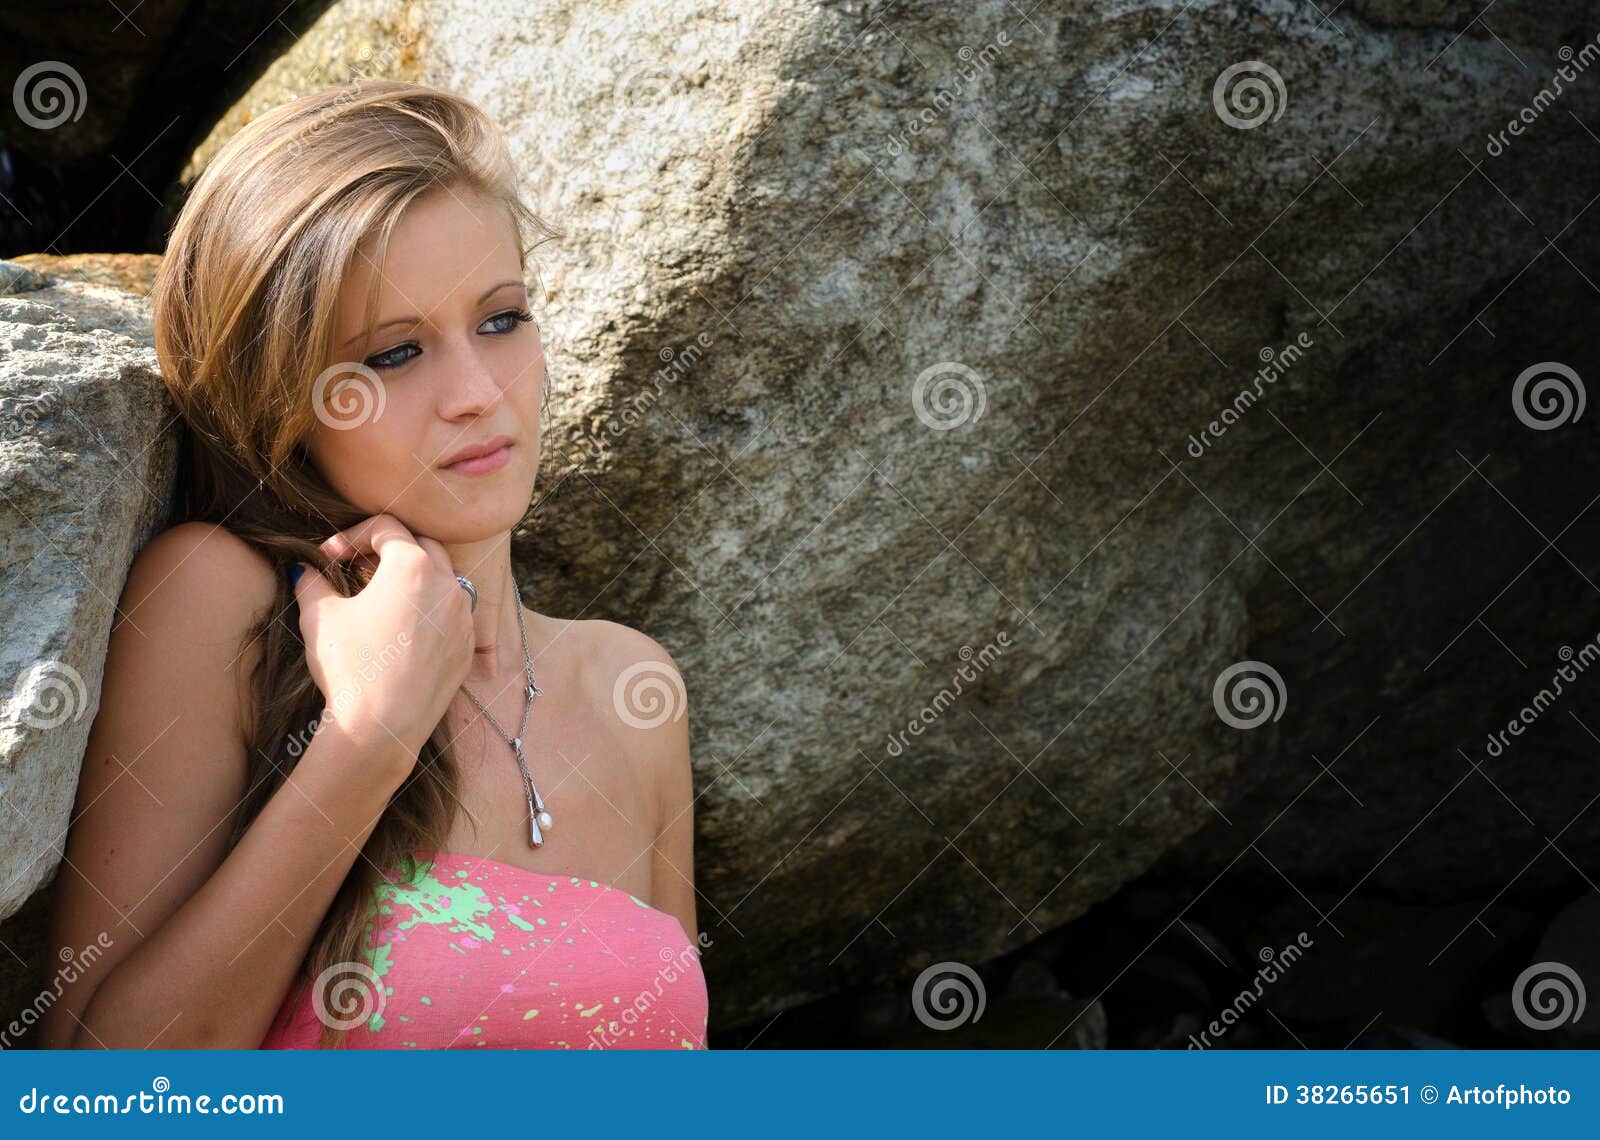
(473, 952)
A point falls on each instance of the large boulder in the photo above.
(88, 446)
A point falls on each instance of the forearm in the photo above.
(215, 973)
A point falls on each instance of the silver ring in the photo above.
(472, 591)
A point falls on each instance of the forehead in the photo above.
(446, 246)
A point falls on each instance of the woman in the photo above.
(305, 817)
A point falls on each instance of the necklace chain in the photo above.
(538, 816)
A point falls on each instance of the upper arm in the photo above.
(165, 764)
(657, 725)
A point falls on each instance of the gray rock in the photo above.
(16, 278)
(87, 455)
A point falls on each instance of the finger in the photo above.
(356, 539)
(437, 552)
(312, 588)
(369, 536)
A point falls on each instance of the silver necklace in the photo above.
(539, 819)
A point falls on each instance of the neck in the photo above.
(497, 650)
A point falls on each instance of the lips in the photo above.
(477, 458)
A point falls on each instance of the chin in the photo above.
(490, 512)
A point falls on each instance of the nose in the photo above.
(471, 389)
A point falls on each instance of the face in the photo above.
(456, 366)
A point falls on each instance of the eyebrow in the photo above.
(487, 293)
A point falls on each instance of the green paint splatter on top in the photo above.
(460, 909)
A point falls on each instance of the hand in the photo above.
(388, 659)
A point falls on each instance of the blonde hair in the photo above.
(243, 315)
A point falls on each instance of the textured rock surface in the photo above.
(778, 221)
(87, 452)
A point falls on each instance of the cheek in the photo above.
(369, 464)
(526, 387)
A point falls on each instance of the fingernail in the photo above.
(294, 573)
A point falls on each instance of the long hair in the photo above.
(243, 313)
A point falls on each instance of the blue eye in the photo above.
(505, 322)
(516, 316)
(389, 358)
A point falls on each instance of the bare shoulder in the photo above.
(622, 642)
(632, 664)
(646, 698)
(197, 556)
(197, 589)
(637, 683)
